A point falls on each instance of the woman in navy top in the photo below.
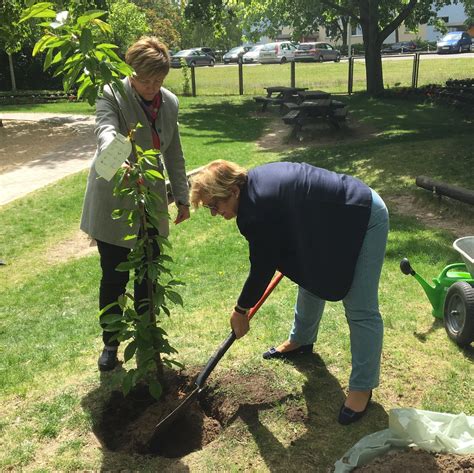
(327, 232)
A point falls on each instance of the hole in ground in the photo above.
(127, 423)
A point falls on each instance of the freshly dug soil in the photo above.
(128, 423)
(416, 461)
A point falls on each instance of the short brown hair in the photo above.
(148, 56)
(215, 181)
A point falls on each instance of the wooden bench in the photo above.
(291, 118)
(265, 101)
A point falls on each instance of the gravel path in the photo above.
(71, 156)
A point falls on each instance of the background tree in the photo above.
(212, 23)
(164, 19)
(469, 10)
(128, 22)
(13, 34)
(377, 19)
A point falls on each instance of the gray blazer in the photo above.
(99, 201)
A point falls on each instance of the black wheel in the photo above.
(211, 63)
(283, 60)
(459, 313)
(192, 64)
(320, 58)
(460, 50)
(338, 58)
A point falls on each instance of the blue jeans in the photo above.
(361, 305)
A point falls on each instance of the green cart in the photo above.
(452, 295)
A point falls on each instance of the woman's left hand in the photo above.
(183, 214)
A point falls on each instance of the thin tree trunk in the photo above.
(12, 72)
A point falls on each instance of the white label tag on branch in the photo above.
(109, 161)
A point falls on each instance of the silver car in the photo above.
(280, 52)
(317, 52)
(251, 56)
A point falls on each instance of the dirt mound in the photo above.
(414, 461)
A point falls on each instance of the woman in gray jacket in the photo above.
(156, 109)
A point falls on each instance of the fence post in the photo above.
(193, 81)
(350, 79)
(292, 71)
(241, 77)
(416, 68)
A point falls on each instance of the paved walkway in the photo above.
(52, 166)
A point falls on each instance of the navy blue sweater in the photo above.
(307, 222)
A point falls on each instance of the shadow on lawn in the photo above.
(325, 440)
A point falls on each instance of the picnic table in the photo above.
(279, 95)
(312, 95)
(312, 107)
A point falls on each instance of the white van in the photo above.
(280, 52)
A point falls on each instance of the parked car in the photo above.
(454, 42)
(193, 57)
(252, 55)
(235, 53)
(206, 50)
(317, 52)
(400, 47)
(279, 52)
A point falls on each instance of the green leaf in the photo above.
(117, 213)
(176, 282)
(153, 175)
(155, 389)
(48, 59)
(126, 266)
(57, 58)
(115, 327)
(127, 382)
(86, 43)
(130, 350)
(39, 10)
(129, 237)
(106, 46)
(108, 307)
(40, 44)
(84, 88)
(103, 26)
(174, 297)
(170, 362)
(89, 16)
(110, 318)
(70, 76)
(163, 241)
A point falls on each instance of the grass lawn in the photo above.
(328, 76)
(51, 394)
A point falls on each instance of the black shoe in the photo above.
(107, 360)
(348, 416)
(274, 353)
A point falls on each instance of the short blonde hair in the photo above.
(148, 56)
(215, 181)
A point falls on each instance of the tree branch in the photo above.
(391, 27)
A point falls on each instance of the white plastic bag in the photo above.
(430, 431)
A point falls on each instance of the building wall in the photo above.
(455, 15)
